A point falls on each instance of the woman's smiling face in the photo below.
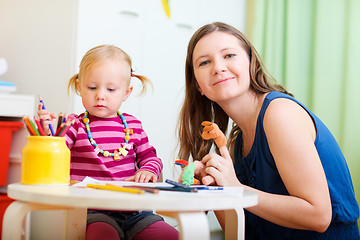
(221, 66)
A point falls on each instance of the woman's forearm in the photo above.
(220, 215)
(292, 212)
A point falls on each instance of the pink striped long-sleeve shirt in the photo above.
(108, 134)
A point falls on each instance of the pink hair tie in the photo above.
(133, 75)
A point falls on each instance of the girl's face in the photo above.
(221, 66)
(105, 87)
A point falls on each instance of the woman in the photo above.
(278, 147)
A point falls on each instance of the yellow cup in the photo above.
(45, 160)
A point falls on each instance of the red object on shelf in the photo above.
(4, 203)
(6, 130)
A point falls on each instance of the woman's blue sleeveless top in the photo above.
(258, 170)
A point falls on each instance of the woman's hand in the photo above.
(46, 118)
(217, 168)
(220, 167)
(199, 174)
(143, 176)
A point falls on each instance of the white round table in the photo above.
(188, 208)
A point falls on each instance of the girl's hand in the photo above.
(221, 168)
(46, 118)
(143, 176)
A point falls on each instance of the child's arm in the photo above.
(148, 163)
(146, 157)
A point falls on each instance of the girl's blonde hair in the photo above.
(198, 108)
(101, 54)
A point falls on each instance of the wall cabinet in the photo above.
(13, 108)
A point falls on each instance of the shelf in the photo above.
(15, 105)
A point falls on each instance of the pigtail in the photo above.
(73, 84)
(144, 81)
(99, 55)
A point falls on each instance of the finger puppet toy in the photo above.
(212, 131)
(188, 174)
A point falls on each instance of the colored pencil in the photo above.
(180, 185)
(181, 162)
(176, 189)
(28, 126)
(64, 118)
(72, 182)
(60, 120)
(146, 189)
(65, 128)
(38, 124)
(176, 184)
(59, 129)
(156, 189)
(208, 187)
(43, 107)
(33, 125)
(116, 188)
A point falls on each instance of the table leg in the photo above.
(75, 223)
(14, 217)
(193, 225)
(13, 220)
(235, 224)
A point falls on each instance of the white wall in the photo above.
(44, 41)
(157, 45)
(35, 38)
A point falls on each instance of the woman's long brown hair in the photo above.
(198, 108)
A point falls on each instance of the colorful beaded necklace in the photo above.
(125, 147)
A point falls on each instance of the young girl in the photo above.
(108, 145)
(278, 148)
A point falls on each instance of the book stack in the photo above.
(7, 87)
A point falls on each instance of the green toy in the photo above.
(188, 175)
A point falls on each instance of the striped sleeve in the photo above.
(146, 158)
(71, 134)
